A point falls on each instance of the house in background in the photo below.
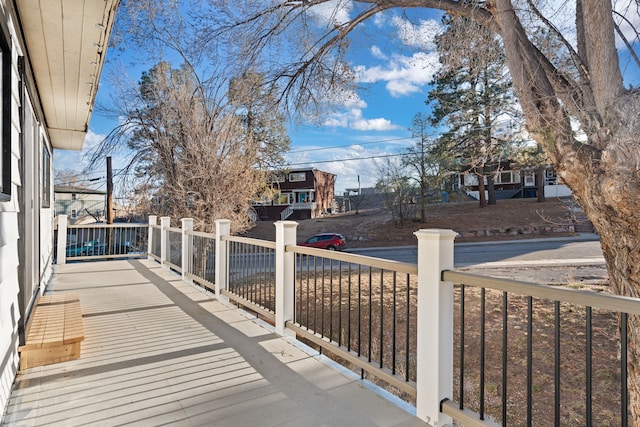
(81, 205)
(512, 182)
(52, 54)
(299, 194)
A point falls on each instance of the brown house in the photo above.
(300, 194)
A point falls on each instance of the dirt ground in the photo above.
(373, 225)
(509, 219)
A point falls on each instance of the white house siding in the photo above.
(9, 236)
(559, 190)
(12, 234)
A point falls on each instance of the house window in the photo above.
(529, 179)
(74, 214)
(470, 179)
(46, 177)
(297, 177)
(283, 199)
(508, 177)
(550, 177)
(5, 117)
(74, 196)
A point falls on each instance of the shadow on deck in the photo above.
(158, 351)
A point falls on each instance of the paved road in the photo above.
(583, 249)
(546, 261)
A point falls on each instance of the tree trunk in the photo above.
(608, 190)
(491, 188)
(423, 205)
(540, 181)
(603, 171)
(481, 197)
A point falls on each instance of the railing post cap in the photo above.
(286, 224)
(435, 234)
(223, 221)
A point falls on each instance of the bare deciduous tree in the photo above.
(394, 182)
(190, 151)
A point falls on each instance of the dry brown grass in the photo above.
(342, 313)
(354, 307)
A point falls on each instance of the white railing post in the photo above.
(187, 225)
(221, 274)
(165, 223)
(153, 220)
(62, 240)
(434, 376)
(285, 264)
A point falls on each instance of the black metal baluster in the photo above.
(339, 303)
(557, 363)
(322, 304)
(624, 392)
(349, 308)
(331, 302)
(529, 360)
(407, 340)
(370, 315)
(589, 362)
(359, 309)
(315, 295)
(483, 292)
(381, 317)
(462, 334)
(394, 321)
(505, 325)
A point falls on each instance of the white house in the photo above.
(51, 54)
(80, 205)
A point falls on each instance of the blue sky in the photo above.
(393, 56)
(394, 76)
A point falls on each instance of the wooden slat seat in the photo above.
(55, 331)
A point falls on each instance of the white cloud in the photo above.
(404, 74)
(76, 160)
(377, 53)
(353, 119)
(333, 12)
(345, 97)
(378, 124)
(420, 35)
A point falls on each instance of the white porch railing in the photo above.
(328, 298)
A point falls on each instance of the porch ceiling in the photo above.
(66, 42)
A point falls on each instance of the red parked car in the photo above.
(331, 241)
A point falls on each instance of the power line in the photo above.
(350, 145)
(351, 159)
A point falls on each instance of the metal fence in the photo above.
(463, 347)
(359, 307)
(101, 241)
(156, 242)
(173, 248)
(530, 354)
(201, 267)
(251, 274)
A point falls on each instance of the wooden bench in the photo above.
(54, 332)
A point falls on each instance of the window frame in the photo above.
(297, 176)
(5, 114)
(45, 174)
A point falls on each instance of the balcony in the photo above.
(160, 351)
(166, 340)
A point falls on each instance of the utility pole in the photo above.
(109, 213)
